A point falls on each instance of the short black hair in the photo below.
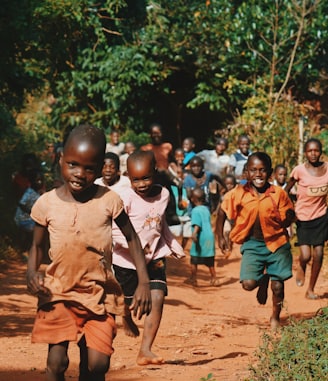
(197, 158)
(224, 140)
(114, 157)
(313, 140)
(140, 155)
(264, 157)
(279, 166)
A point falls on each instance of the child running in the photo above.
(145, 204)
(202, 250)
(311, 211)
(230, 182)
(78, 292)
(261, 213)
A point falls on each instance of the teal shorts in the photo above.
(256, 258)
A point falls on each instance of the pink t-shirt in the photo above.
(311, 193)
(80, 239)
(147, 215)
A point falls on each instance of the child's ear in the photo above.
(270, 172)
(61, 158)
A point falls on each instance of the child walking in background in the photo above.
(78, 292)
(239, 158)
(211, 184)
(188, 146)
(230, 183)
(311, 212)
(202, 250)
(280, 179)
(145, 203)
(261, 213)
(182, 230)
(22, 218)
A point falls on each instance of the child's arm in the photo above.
(35, 281)
(219, 223)
(195, 233)
(290, 185)
(142, 297)
(220, 182)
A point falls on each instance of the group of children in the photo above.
(109, 239)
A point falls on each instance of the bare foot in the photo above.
(311, 295)
(300, 276)
(275, 324)
(149, 358)
(130, 327)
(215, 282)
(191, 281)
(226, 254)
(262, 293)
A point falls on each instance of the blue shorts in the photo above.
(256, 257)
(128, 278)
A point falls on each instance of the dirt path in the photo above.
(204, 330)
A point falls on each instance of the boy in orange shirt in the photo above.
(261, 214)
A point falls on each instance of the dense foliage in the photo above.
(116, 62)
(300, 354)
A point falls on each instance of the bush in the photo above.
(300, 354)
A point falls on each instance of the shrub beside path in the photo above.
(205, 330)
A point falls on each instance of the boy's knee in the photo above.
(249, 284)
(57, 364)
(99, 366)
(277, 288)
(157, 297)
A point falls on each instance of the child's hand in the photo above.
(141, 304)
(194, 237)
(290, 217)
(35, 283)
(290, 214)
(223, 244)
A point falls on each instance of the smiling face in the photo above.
(243, 145)
(188, 145)
(110, 172)
(196, 166)
(258, 173)
(179, 156)
(141, 172)
(156, 135)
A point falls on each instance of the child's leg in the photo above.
(96, 347)
(98, 365)
(193, 271)
(304, 258)
(315, 270)
(192, 279)
(129, 326)
(214, 281)
(184, 242)
(151, 325)
(93, 364)
(57, 361)
(278, 294)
